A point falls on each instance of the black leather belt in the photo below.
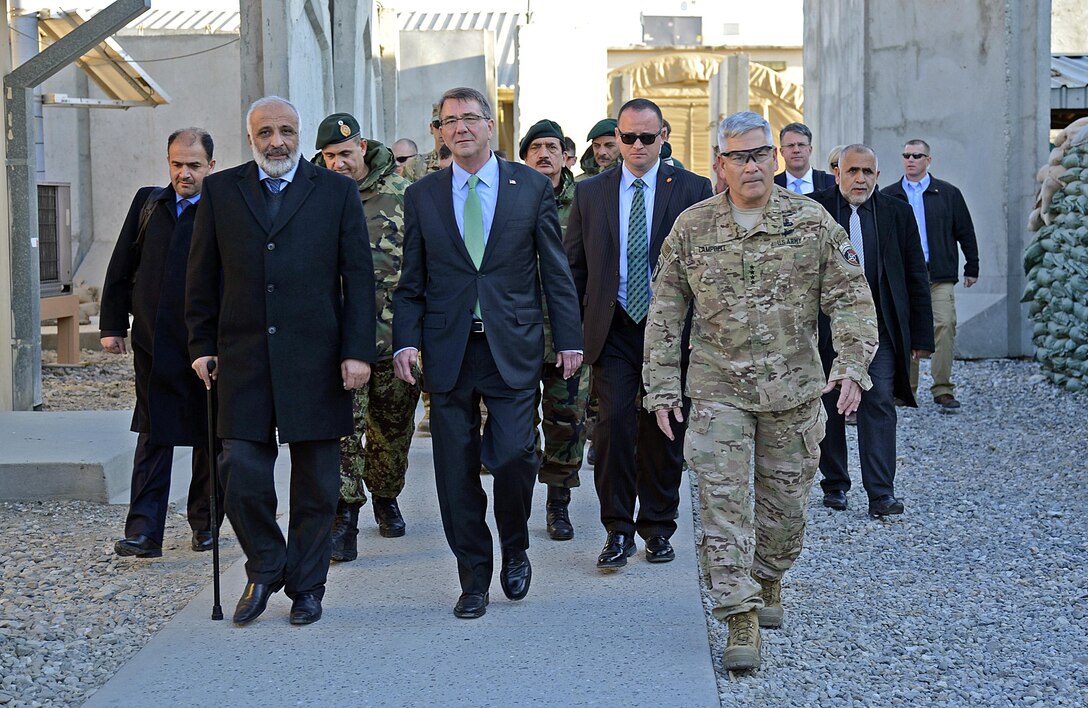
(477, 327)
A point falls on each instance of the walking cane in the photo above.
(217, 609)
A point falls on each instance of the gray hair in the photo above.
(464, 93)
(740, 123)
(863, 149)
(267, 101)
(833, 157)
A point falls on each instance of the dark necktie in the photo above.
(638, 258)
(183, 204)
(275, 195)
(274, 185)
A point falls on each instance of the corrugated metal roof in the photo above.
(184, 22)
(1068, 81)
(503, 24)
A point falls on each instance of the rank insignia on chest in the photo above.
(849, 254)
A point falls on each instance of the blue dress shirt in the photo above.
(914, 192)
(627, 194)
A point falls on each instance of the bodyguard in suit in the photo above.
(799, 177)
(617, 223)
(281, 295)
(146, 277)
(884, 235)
(481, 238)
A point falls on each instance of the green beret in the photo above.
(336, 129)
(602, 127)
(541, 129)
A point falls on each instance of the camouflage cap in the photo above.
(541, 129)
(336, 129)
(436, 109)
(606, 126)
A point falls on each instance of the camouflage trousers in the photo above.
(564, 422)
(740, 538)
(384, 413)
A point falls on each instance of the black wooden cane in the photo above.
(217, 609)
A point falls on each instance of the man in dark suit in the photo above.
(883, 232)
(281, 295)
(481, 238)
(617, 223)
(146, 277)
(799, 177)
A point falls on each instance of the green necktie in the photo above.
(638, 258)
(474, 228)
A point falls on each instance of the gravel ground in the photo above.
(100, 382)
(977, 595)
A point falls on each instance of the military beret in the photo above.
(602, 127)
(336, 129)
(541, 129)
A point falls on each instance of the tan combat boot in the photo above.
(742, 651)
(770, 615)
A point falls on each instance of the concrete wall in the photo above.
(431, 63)
(127, 149)
(969, 77)
(567, 87)
(1069, 27)
(6, 392)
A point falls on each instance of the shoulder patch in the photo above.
(849, 254)
(666, 249)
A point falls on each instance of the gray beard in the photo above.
(276, 168)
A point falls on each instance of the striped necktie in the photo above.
(638, 258)
(474, 228)
(855, 234)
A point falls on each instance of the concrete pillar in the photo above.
(6, 360)
(728, 92)
(622, 92)
(971, 78)
(387, 36)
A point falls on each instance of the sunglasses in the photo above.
(914, 155)
(644, 138)
(405, 158)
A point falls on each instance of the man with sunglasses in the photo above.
(617, 223)
(944, 223)
(756, 264)
(481, 242)
(799, 177)
(384, 408)
(431, 159)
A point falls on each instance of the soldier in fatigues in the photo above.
(758, 263)
(384, 409)
(564, 400)
(431, 159)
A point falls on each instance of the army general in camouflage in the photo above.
(759, 263)
(384, 409)
(563, 403)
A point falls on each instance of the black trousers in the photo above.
(634, 458)
(150, 491)
(302, 560)
(876, 431)
(508, 450)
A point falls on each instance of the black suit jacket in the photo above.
(593, 240)
(439, 284)
(820, 180)
(295, 298)
(948, 225)
(905, 309)
(147, 279)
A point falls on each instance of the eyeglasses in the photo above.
(644, 138)
(757, 155)
(471, 120)
(914, 155)
(405, 158)
(797, 146)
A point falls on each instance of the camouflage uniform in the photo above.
(755, 374)
(564, 401)
(387, 425)
(430, 162)
(589, 165)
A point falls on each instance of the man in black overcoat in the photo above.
(885, 236)
(281, 295)
(146, 277)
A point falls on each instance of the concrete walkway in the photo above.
(388, 636)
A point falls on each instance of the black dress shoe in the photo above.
(471, 605)
(305, 609)
(659, 550)
(616, 551)
(885, 506)
(387, 514)
(835, 499)
(202, 541)
(253, 601)
(140, 546)
(515, 575)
